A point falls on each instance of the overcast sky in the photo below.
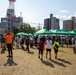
(35, 11)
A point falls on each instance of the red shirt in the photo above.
(41, 44)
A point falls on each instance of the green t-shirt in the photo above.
(56, 45)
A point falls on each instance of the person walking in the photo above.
(48, 47)
(3, 43)
(67, 41)
(41, 48)
(27, 43)
(9, 40)
(22, 43)
(17, 39)
(56, 46)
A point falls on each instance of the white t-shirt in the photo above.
(48, 44)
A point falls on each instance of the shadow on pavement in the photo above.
(10, 62)
(63, 60)
(2, 51)
(62, 51)
(58, 63)
(31, 52)
(47, 63)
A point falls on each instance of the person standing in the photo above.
(22, 43)
(3, 43)
(67, 41)
(62, 41)
(41, 48)
(27, 43)
(48, 47)
(9, 40)
(56, 46)
(17, 39)
(74, 45)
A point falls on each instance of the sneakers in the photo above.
(10, 56)
(38, 56)
(55, 57)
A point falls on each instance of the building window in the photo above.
(8, 24)
(8, 28)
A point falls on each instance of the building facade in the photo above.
(7, 26)
(51, 23)
(69, 24)
(55, 23)
(10, 21)
(46, 23)
(4, 24)
(17, 21)
(0, 25)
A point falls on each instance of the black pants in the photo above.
(27, 47)
(74, 49)
(9, 47)
(56, 50)
(41, 51)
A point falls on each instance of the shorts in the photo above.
(49, 50)
(56, 50)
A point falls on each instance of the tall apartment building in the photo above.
(46, 23)
(69, 24)
(8, 26)
(10, 21)
(74, 24)
(55, 23)
(17, 21)
(10, 15)
(4, 23)
(51, 23)
(0, 25)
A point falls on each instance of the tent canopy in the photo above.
(43, 31)
(73, 32)
(30, 34)
(21, 34)
(61, 31)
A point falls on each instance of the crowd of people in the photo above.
(40, 42)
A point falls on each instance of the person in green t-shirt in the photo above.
(56, 46)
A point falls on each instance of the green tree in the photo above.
(25, 27)
(15, 30)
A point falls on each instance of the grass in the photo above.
(24, 63)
